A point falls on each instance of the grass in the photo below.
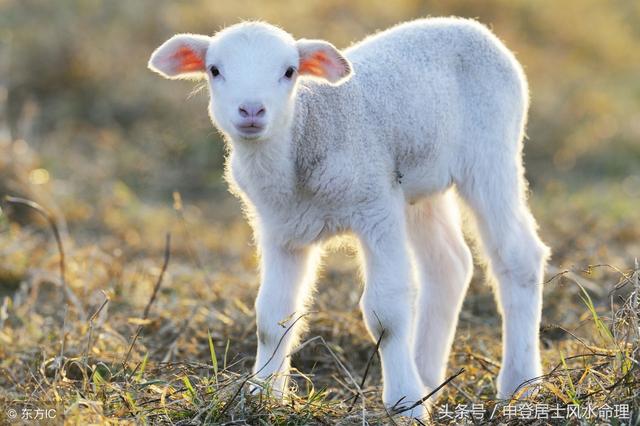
(153, 337)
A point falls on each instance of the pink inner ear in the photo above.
(317, 64)
(188, 60)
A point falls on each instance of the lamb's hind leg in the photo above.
(443, 268)
(517, 258)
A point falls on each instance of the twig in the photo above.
(609, 388)
(366, 370)
(67, 293)
(347, 374)
(90, 331)
(62, 341)
(250, 376)
(593, 354)
(483, 361)
(340, 364)
(430, 394)
(145, 315)
(582, 342)
(167, 256)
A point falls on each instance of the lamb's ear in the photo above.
(182, 56)
(321, 59)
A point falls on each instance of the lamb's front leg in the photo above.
(286, 278)
(388, 304)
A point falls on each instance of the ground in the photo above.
(189, 355)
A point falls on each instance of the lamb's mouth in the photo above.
(250, 131)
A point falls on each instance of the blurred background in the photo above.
(120, 157)
(75, 92)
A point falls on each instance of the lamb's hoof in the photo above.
(518, 385)
(272, 388)
(409, 407)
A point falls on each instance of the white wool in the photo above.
(372, 141)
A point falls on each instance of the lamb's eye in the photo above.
(214, 71)
(289, 72)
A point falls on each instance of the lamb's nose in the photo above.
(251, 109)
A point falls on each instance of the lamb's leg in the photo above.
(517, 258)
(388, 303)
(287, 276)
(443, 267)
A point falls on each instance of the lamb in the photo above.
(381, 140)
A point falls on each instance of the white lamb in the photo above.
(372, 141)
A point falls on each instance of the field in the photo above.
(126, 292)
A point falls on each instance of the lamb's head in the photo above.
(252, 70)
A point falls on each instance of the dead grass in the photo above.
(160, 338)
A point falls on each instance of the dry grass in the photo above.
(160, 339)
